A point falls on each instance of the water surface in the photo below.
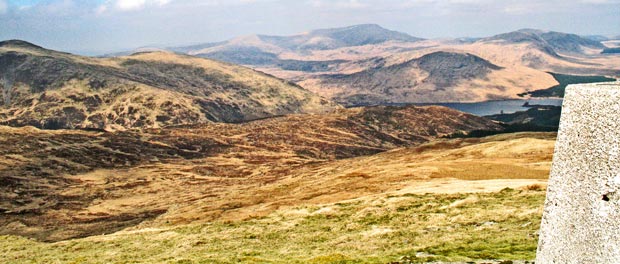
(497, 107)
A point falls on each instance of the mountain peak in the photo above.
(363, 34)
(366, 26)
(354, 28)
(530, 31)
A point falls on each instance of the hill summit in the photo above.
(357, 35)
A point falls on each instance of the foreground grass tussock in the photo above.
(380, 229)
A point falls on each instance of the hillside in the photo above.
(434, 77)
(58, 90)
(67, 183)
(445, 200)
(548, 51)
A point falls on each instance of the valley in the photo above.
(345, 145)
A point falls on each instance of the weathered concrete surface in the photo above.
(581, 220)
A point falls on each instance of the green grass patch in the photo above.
(432, 227)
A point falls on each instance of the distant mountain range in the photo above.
(265, 50)
(245, 48)
(356, 65)
(321, 39)
(549, 41)
(368, 64)
(49, 89)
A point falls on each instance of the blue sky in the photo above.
(99, 26)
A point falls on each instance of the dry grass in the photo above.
(75, 183)
(241, 182)
(247, 204)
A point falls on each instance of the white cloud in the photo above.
(338, 3)
(3, 6)
(129, 5)
(136, 5)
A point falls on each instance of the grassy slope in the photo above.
(449, 227)
(328, 212)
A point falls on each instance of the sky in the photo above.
(101, 26)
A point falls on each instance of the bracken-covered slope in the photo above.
(49, 89)
(72, 183)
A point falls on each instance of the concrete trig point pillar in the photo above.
(581, 220)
